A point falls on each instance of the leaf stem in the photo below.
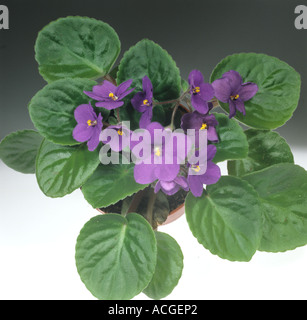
(136, 200)
(173, 115)
(150, 206)
(117, 115)
(178, 100)
(165, 102)
(108, 77)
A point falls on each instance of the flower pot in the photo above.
(173, 216)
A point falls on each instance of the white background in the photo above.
(37, 247)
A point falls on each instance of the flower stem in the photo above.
(173, 115)
(178, 100)
(136, 200)
(117, 115)
(166, 102)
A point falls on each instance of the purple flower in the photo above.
(108, 95)
(230, 89)
(201, 173)
(163, 163)
(198, 121)
(171, 187)
(117, 137)
(89, 126)
(142, 102)
(201, 92)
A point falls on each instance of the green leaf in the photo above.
(232, 140)
(184, 85)
(227, 219)
(283, 190)
(76, 47)
(265, 149)
(110, 183)
(279, 88)
(62, 169)
(168, 268)
(52, 109)
(148, 58)
(18, 150)
(116, 256)
(113, 73)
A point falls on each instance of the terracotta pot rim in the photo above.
(173, 216)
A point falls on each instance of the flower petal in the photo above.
(93, 95)
(182, 181)
(93, 143)
(147, 87)
(247, 91)
(167, 172)
(144, 173)
(195, 78)
(222, 89)
(99, 123)
(177, 147)
(206, 91)
(154, 127)
(124, 94)
(169, 187)
(137, 101)
(196, 186)
(82, 132)
(235, 80)
(232, 109)
(84, 112)
(212, 134)
(110, 105)
(240, 106)
(146, 118)
(104, 89)
(191, 120)
(157, 187)
(199, 104)
(212, 175)
(211, 151)
(210, 120)
(123, 87)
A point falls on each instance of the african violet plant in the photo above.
(261, 205)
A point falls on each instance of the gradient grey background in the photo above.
(198, 34)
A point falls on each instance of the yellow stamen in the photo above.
(120, 132)
(195, 168)
(235, 97)
(204, 126)
(113, 96)
(196, 90)
(91, 123)
(157, 152)
(145, 102)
